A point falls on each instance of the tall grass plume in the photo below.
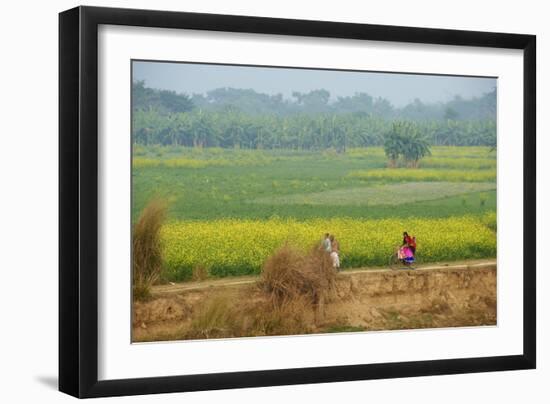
(147, 249)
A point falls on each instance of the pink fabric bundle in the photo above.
(404, 252)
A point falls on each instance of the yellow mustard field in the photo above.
(239, 247)
(425, 174)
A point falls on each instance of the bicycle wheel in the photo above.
(393, 262)
(416, 261)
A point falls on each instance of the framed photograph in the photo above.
(250, 201)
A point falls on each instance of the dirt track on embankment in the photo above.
(434, 295)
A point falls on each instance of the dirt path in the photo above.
(453, 294)
(243, 280)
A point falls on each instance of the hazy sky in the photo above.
(399, 89)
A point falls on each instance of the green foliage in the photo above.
(243, 118)
(450, 114)
(145, 98)
(231, 128)
(416, 147)
(405, 140)
(394, 145)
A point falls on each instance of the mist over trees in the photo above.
(163, 101)
(319, 101)
(244, 118)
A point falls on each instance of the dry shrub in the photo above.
(293, 287)
(291, 274)
(218, 318)
(146, 248)
(290, 317)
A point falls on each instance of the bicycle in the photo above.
(395, 262)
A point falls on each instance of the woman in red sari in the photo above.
(408, 248)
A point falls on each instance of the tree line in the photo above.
(318, 101)
(167, 118)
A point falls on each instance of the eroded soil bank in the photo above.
(439, 296)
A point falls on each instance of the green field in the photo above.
(383, 194)
(246, 180)
(212, 187)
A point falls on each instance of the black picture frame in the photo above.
(78, 201)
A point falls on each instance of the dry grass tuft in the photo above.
(291, 274)
(289, 318)
(146, 249)
(294, 287)
(220, 317)
(216, 319)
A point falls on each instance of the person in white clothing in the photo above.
(326, 243)
(335, 252)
